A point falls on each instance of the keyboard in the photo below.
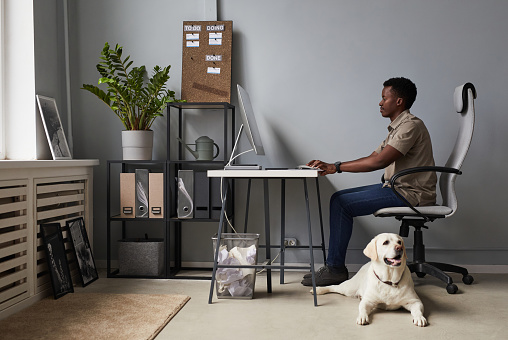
(306, 167)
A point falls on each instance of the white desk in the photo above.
(265, 175)
(282, 173)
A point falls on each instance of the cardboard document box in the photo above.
(127, 195)
(202, 195)
(156, 195)
(141, 193)
(185, 187)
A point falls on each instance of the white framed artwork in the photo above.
(53, 127)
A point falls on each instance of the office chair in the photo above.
(417, 217)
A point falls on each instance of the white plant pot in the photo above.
(137, 145)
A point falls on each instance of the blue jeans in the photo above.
(349, 203)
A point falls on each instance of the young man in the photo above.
(408, 145)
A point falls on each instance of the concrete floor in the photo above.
(478, 311)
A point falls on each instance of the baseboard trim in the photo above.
(479, 269)
(24, 304)
(472, 268)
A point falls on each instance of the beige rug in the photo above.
(94, 316)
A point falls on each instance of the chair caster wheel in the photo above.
(420, 275)
(452, 288)
(467, 279)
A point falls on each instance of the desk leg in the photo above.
(217, 246)
(321, 220)
(310, 242)
(282, 228)
(267, 234)
(247, 206)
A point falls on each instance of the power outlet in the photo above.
(290, 242)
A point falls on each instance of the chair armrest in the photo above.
(416, 170)
(424, 169)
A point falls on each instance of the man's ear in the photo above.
(371, 250)
(400, 101)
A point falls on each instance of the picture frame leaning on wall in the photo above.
(53, 127)
(83, 251)
(56, 259)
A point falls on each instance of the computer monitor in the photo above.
(249, 125)
(249, 121)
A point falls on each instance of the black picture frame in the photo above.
(82, 250)
(56, 258)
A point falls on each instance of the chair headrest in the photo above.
(460, 96)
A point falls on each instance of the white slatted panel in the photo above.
(57, 202)
(13, 242)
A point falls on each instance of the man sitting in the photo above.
(408, 145)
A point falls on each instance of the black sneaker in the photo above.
(334, 270)
(325, 277)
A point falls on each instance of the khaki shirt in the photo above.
(410, 137)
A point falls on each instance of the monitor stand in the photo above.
(230, 166)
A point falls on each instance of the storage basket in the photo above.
(239, 249)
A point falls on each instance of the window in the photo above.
(2, 121)
(19, 73)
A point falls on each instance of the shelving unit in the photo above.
(115, 222)
(169, 226)
(180, 163)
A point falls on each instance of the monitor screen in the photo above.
(249, 121)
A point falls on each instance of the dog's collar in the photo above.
(390, 283)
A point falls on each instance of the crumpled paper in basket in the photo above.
(235, 279)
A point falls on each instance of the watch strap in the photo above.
(337, 167)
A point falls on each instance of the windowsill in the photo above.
(16, 164)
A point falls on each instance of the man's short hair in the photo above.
(403, 88)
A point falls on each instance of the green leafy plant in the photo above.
(136, 102)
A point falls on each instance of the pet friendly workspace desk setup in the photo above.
(255, 172)
(204, 187)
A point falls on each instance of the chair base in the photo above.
(438, 270)
(435, 269)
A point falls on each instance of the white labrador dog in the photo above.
(384, 282)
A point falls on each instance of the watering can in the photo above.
(204, 148)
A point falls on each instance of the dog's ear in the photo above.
(371, 250)
(404, 250)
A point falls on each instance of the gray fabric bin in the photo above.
(141, 257)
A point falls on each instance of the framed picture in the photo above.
(82, 250)
(53, 127)
(57, 260)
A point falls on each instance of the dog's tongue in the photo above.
(395, 261)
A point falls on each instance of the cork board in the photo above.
(206, 61)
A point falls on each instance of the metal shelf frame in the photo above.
(170, 223)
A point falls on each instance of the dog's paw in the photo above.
(320, 290)
(362, 319)
(420, 321)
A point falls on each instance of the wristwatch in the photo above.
(337, 167)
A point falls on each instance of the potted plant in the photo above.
(135, 101)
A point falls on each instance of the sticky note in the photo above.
(213, 70)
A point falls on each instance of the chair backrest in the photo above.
(464, 97)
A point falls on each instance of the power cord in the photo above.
(262, 270)
(222, 198)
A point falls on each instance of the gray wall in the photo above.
(49, 48)
(314, 71)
